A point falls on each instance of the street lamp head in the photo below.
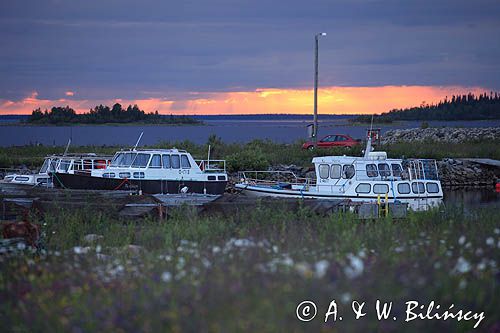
(323, 34)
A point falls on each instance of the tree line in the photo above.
(103, 114)
(460, 107)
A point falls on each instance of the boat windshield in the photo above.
(53, 165)
(141, 161)
(45, 166)
(64, 165)
(123, 159)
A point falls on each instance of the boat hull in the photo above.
(414, 203)
(87, 182)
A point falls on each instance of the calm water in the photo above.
(472, 197)
(229, 130)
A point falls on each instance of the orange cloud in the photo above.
(331, 100)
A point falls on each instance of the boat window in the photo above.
(348, 171)
(22, 178)
(380, 188)
(432, 187)
(418, 187)
(138, 174)
(176, 163)
(45, 166)
(125, 160)
(396, 170)
(155, 161)
(335, 172)
(371, 170)
(363, 188)
(384, 170)
(117, 159)
(404, 188)
(141, 160)
(211, 178)
(221, 178)
(87, 164)
(124, 174)
(42, 181)
(108, 175)
(64, 165)
(185, 162)
(53, 165)
(324, 170)
(166, 161)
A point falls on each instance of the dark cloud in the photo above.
(122, 49)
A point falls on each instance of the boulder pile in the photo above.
(442, 134)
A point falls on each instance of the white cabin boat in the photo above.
(370, 178)
(58, 163)
(151, 171)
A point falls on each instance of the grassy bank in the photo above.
(259, 154)
(247, 272)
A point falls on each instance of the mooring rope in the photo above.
(60, 182)
(121, 184)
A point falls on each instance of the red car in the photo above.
(335, 140)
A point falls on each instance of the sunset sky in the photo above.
(237, 57)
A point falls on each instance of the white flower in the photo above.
(461, 240)
(462, 266)
(321, 267)
(98, 249)
(490, 241)
(21, 246)
(497, 231)
(345, 298)
(215, 249)
(166, 276)
(355, 267)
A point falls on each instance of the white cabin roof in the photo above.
(373, 156)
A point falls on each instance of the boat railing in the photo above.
(83, 164)
(212, 165)
(273, 178)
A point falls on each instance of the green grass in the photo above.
(259, 154)
(248, 271)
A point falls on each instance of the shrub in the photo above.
(248, 159)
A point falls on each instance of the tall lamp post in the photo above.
(315, 126)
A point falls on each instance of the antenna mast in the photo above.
(138, 140)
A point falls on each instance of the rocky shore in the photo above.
(442, 134)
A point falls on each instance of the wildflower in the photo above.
(462, 266)
(320, 268)
(461, 240)
(166, 276)
(355, 267)
(490, 241)
(462, 284)
(345, 298)
(303, 269)
(98, 249)
(215, 249)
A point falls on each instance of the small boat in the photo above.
(66, 163)
(371, 178)
(150, 171)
